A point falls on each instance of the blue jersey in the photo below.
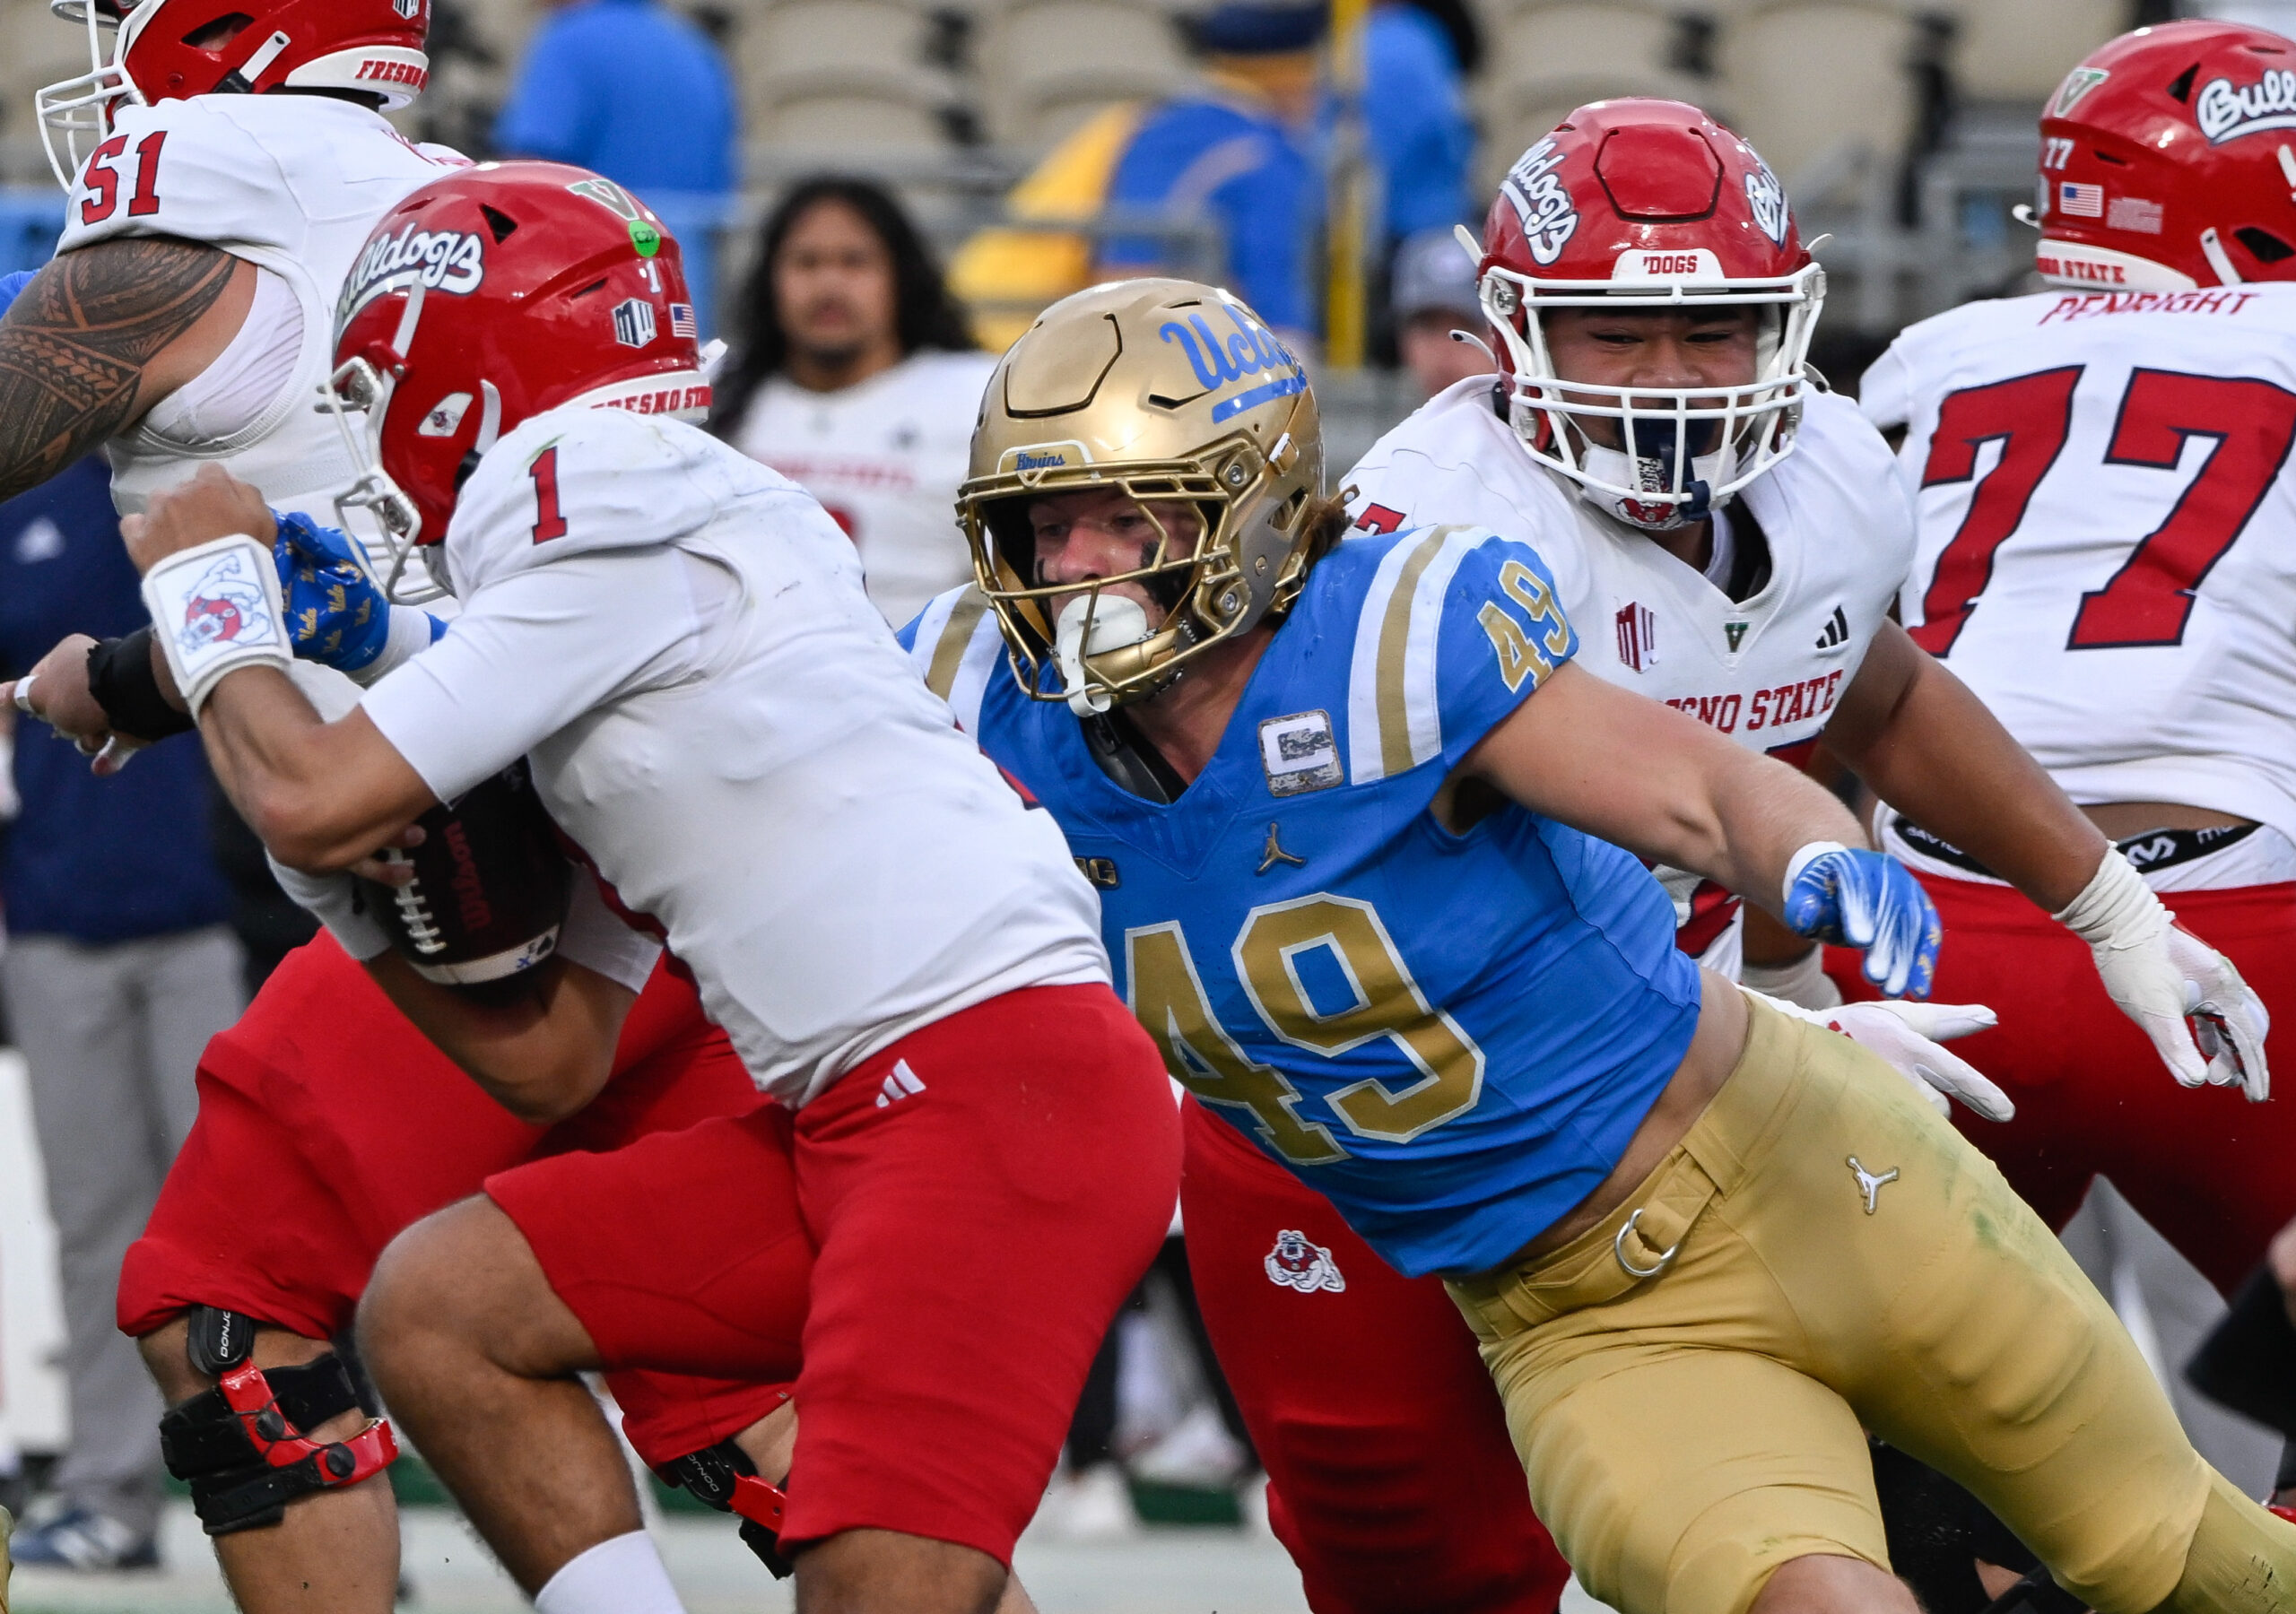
(1451, 1036)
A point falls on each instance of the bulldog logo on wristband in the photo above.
(226, 604)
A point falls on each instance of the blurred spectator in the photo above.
(1242, 154)
(1415, 120)
(120, 968)
(858, 380)
(641, 94)
(1433, 294)
(1245, 156)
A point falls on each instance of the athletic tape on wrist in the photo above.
(216, 608)
(413, 630)
(2115, 906)
(333, 900)
(1803, 858)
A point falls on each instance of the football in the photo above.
(490, 887)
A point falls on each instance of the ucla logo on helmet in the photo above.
(1221, 360)
(1767, 198)
(1294, 1263)
(2226, 113)
(1550, 218)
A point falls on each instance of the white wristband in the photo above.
(2116, 906)
(216, 608)
(597, 938)
(412, 631)
(333, 900)
(1804, 981)
(1803, 858)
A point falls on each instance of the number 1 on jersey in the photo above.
(548, 522)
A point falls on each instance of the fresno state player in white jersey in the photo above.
(859, 382)
(984, 1147)
(2107, 559)
(884, 457)
(1644, 282)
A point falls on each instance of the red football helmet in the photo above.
(370, 45)
(515, 287)
(1652, 205)
(2169, 161)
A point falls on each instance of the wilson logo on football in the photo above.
(2226, 113)
(1549, 218)
(448, 260)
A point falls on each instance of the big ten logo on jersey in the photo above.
(1781, 705)
(1221, 359)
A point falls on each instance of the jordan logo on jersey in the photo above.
(1638, 636)
(1294, 1263)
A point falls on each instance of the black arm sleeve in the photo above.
(121, 678)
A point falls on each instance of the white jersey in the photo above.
(1768, 669)
(293, 184)
(884, 458)
(2108, 533)
(717, 714)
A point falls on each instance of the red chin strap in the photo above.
(334, 1463)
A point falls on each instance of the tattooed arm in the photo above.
(102, 333)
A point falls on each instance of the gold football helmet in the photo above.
(1165, 390)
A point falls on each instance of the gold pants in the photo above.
(1841, 1258)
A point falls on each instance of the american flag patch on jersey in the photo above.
(682, 320)
(2082, 201)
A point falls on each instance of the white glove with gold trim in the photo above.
(2164, 977)
(215, 608)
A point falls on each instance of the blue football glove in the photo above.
(336, 614)
(1867, 901)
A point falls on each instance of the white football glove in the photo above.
(2163, 977)
(1906, 1036)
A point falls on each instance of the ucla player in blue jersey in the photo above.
(1357, 824)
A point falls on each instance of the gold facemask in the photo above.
(1165, 390)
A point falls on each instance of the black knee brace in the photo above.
(724, 1477)
(241, 1446)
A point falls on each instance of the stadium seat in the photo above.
(1047, 66)
(36, 48)
(1515, 113)
(1560, 38)
(859, 114)
(1822, 89)
(2021, 53)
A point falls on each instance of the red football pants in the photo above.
(1392, 1481)
(2215, 1173)
(944, 1259)
(327, 1123)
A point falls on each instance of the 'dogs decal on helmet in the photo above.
(447, 260)
(1549, 216)
(2226, 111)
